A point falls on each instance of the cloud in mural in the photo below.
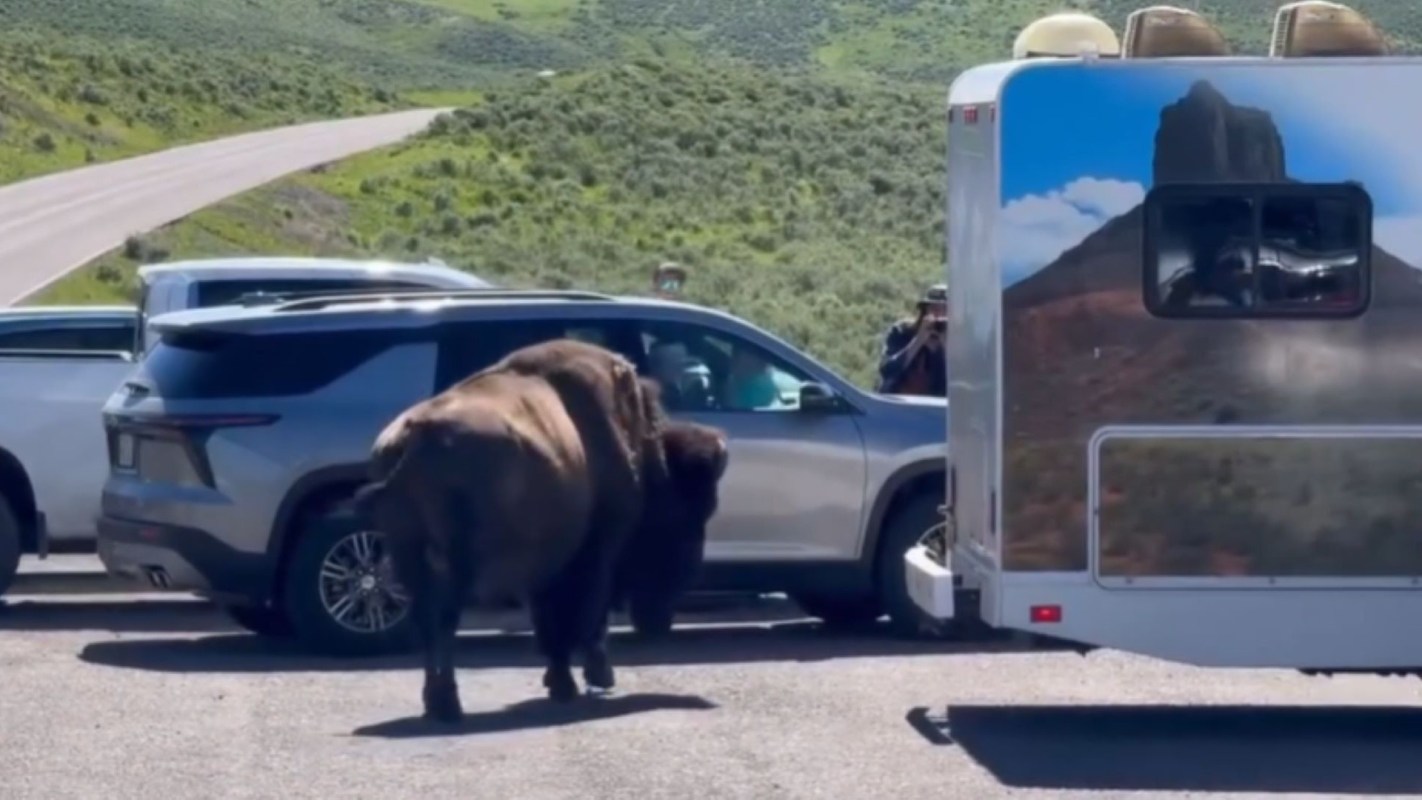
(1036, 228)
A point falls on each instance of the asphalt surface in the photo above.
(56, 223)
(121, 698)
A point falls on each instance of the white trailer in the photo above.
(1185, 352)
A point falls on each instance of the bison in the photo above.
(551, 478)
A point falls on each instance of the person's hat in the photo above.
(937, 293)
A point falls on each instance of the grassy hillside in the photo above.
(67, 101)
(451, 43)
(86, 80)
(813, 209)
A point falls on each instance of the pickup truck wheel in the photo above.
(341, 593)
(9, 545)
(847, 613)
(909, 524)
(268, 622)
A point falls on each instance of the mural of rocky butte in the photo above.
(1082, 352)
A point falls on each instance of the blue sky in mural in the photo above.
(1053, 142)
(1079, 142)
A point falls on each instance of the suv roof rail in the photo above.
(263, 297)
(320, 300)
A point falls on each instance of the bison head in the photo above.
(663, 560)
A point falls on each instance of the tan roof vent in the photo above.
(1166, 31)
(1318, 28)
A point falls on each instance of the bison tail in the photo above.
(366, 500)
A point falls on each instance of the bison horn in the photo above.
(723, 457)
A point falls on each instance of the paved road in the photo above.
(53, 224)
(113, 700)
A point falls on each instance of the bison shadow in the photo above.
(796, 641)
(536, 713)
(1329, 750)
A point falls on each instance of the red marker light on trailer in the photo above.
(1046, 613)
(970, 115)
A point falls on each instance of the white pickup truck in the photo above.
(59, 364)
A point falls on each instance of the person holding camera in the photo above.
(913, 360)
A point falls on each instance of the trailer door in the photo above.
(972, 348)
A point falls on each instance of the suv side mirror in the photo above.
(818, 398)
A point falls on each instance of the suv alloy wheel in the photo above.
(340, 590)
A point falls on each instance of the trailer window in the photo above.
(1292, 250)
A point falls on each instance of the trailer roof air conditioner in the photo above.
(1165, 31)
(1318, 28)
(1066, 35)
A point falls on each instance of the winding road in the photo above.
(54, 224)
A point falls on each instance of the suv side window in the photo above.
(467, 347)
(93, 336)
(702, 369)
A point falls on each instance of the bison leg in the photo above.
(591, 610)
(412, 566)
(596, 594)
(581, 602)
(555, 641)
(441, 690)
(429, 603)
(597, 667)
(436, 573)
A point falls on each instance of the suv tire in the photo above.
(9, 545)
(272, 623)
(905, 528)
(305, 600)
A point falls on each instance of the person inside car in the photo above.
(750, 384)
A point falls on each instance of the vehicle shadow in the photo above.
(1328, 750)
(709, 644)
(187, 614)
(115, 616)
(536, 713)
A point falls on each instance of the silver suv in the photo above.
(235, 447)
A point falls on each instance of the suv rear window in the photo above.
(197, 365)
(94, 337)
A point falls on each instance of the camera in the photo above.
(940, 326)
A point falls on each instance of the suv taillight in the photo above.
(170, 448)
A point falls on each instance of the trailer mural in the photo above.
(1081, 350)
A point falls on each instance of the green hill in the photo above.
(790, 152)
(88, 80)
(813, 209)
(66, 101)
(449, 43)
